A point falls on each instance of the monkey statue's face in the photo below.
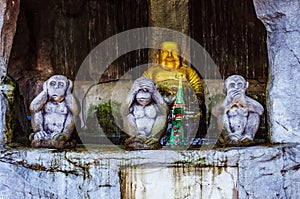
(143, 97)
(236, 87)
(56, 87)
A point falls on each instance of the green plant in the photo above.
(109, 118)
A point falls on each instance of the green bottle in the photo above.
(177, 131)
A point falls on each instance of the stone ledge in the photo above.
(49, 159)
(93, 171)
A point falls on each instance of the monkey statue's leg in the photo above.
(37, 126)
(251, 126)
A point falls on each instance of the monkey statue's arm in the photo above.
(158, 99)
(130, 97)
(70, 100)
(36, 108)
(254, 106)
(251, 126)
(129, 124)
(40, 100)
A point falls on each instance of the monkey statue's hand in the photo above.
(151, 141)
(58, 136)
(41, 135)
(140, 138)
(235, 136)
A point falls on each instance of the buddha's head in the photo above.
(169, 55)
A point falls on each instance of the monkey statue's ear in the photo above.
(247, 85)
(70, 87)
(224, 87)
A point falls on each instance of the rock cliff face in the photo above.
(10, 104)
(281, 20)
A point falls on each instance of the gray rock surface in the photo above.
(9, 11)
(281, 19)
(93, 172)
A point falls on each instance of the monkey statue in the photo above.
(53, 112)
(144, 115)
(238, 115)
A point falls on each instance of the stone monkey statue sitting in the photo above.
(145, 115)
(238, 114)
(53, 112)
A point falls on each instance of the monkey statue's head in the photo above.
(143, 97)
(236, 86)
(57, 87)
(144, 91)
(144, 88)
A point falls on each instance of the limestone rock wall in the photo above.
(9, 11)
(281, 19)
(252, 172)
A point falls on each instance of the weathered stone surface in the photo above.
(281, 19)
(255, 172)
(54, 37)
(8, 110)
(180, 182)
(57, 176)
(173, 14)
(232, 35)
(100, 93)
(9, 11)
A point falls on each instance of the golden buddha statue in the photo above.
(170, 68)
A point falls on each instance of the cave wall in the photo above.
(11, 116)
(54, 37)
(230, 31)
